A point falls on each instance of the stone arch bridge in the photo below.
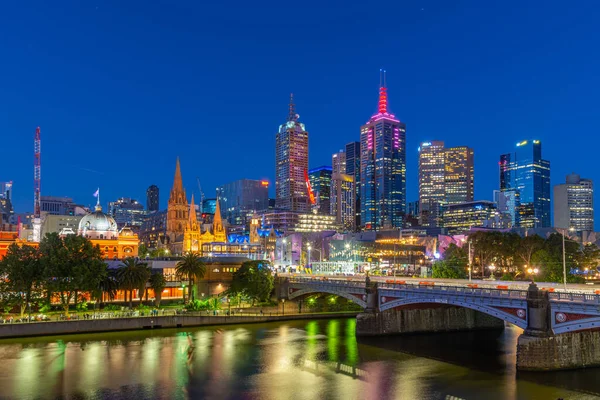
(396, 307)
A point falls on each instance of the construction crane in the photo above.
(37, 185)
(201, 195)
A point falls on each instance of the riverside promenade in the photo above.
(189, 319)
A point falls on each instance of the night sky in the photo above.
(120, 89)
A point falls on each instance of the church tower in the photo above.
(177, 209)
(191, 235)
(220, 236)
(254, 237)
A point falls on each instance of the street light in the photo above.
(283, 303)
(492, 268)
(309, 254)
(564, 257)
(532, 272)
(229, 305)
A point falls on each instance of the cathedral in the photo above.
(185, 233)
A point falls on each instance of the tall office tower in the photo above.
(507, 204)
(574, 204)
(459, 182)
(353, 169)
(241, 199)
(6, 208)
(58, 205)
(342, 201)
(152, 203)
(320, 182)
(6, 190)
(382, 167)
(338, 162)
(291, 158)
(127, 211)
(446, 176)
(529, 175)
(432, 174)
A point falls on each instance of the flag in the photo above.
(97, 192)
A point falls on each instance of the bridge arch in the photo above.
(346, 295)
(492, 311)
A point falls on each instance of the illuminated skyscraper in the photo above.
(445, 178)
(342, 201)
(353, 169)
(239, 200)
(529, 175)
(574, 204)
(320, 181)
(291, 164)
(382, 167)
(338, 162)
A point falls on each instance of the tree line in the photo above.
(71, 269)
(513, 255)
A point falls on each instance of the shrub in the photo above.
(83, 306)
(507, 277)
(112, 307)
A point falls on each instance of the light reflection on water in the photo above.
(319, 359)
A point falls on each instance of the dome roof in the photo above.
(98, 225)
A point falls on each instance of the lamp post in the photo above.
(492, 268)
(532, 272)
(229, 306)
(308, 253)
(565, 257)
(283, 304)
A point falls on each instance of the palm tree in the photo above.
(131, 275)
(191, 268)
(158, 283)
(108, 285)
(147, 272)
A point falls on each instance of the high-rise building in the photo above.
(320, 182)
(338, 162)
(574, 204)
(342, 201)
(507, 203)
(446, 176)
(152, 203)
(127, 211)
(461, 217)
(209, 206)
(432, 173)
(239, 200)
(6, 208)
(353, 169)
(382, 168)
(291, 158)
(6, 190)
(529, 175)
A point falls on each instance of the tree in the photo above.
(441, 269)
(192, 268)
(485, 247)
(107, 286)
(253, 280)
(507, 249)
(131, 275)
(456, 256)
(157, 284)
(589, 257)
(23, 275)
(549, 259)
(71, 264)
(527, 247)
(143, 250)
(147, 273)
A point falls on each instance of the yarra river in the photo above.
(312, 359)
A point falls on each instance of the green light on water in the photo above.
(333, 340)
(351, 344)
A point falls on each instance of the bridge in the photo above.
(560, 326)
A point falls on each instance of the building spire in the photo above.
(382, 93)
(292, 114)
(177, 181)
(193, 219)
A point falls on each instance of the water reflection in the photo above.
(292, 360)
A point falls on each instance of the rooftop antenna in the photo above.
(382, 92)
(292, 115)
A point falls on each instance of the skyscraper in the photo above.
(432, 174)
(338, 162)
(152, 200)
(291, 158)
(353, 169)
(574, 204)
(127, 211)
(382, 167)
(240, 199)
(446, 176)
(320, 181)
(342, 201)
(526, 172)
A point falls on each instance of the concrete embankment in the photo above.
(134, 323)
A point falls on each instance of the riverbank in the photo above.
(150, 322)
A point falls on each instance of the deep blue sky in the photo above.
(120, 88)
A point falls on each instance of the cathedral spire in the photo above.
(177, 181)
(192, 219)
(218, 230)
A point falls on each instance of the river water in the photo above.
(319, 359)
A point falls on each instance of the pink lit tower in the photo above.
(382, 167)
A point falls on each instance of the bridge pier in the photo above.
(427, 318)
(538, 349)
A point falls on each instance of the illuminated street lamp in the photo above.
(309, 248)
(367, 269)
(229, 305)
(532, 272)
(283, 304)
(492, 268)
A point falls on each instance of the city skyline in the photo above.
(498, 115)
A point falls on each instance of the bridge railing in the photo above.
(457, 290)
(332, 282)
(575, 297)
